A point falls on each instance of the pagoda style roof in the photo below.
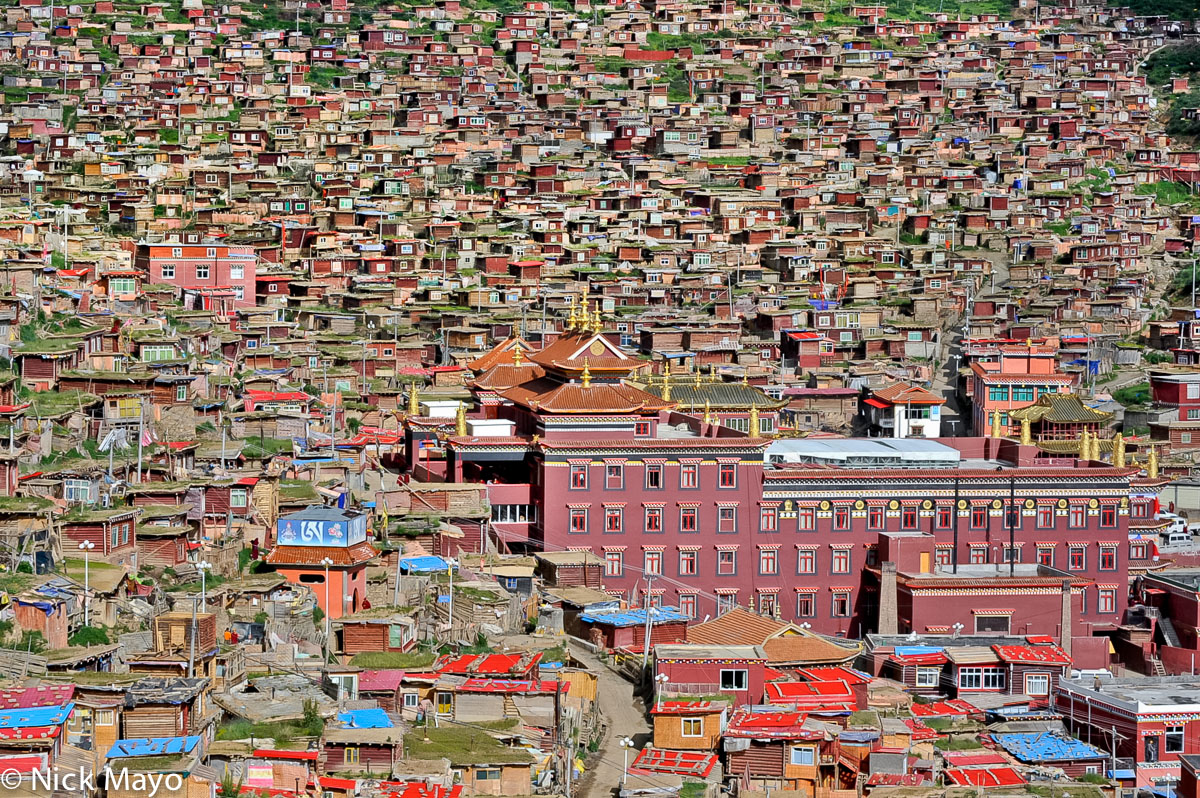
(505, 375)
(687, 392)
(1060, 408)
(579, 348)
(901, 393)
(501, 353)
(546, 395)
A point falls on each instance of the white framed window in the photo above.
(803, 755)
(202, 274)
(734, 679)
(105, 717)
(928, 677)
(181, 393)
(691, 727)
(1037, 684)
(411, 700)
(237, 271)
(237, 497)
(177, 252)
(77, 490)
(168, 271)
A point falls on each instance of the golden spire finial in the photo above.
(754, 431)
(597, 322)
(585, 379)
(1152, 463)
(697, 375)
(1085, 445)
(572, 320)
(1118, 457)
(996, 424)
(1096, 445)
(414, 400)
(516, 354)
(746, 377)
(707, 413)
(666, 371)
(666, 391)
(1026, 436)
(460, 420)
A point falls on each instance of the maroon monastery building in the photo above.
(576, 457)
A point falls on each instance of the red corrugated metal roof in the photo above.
(986, 777)
(944, 708)
(312, 555)
(1045, 655)
(683, 763)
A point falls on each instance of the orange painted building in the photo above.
(1016, 377)
(303, 543)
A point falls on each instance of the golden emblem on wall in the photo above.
(858, 505)
(1029, 503)
(893, 504)
(962, 504)
(1093, 503)
(1062, 504)
(787, 506)
(825, 504)
(927, 504)
(997, 504)
(1124, 501)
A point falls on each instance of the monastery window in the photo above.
(806, 605)
(1106, 600)
(1139, 510)
(579, 475)
(652, 563)
(840, 562)
(806, 519)
(578, 521)
(735, 679)
(1012, 517)
(1108, 558)
(1045, 517)
(841, 518)
(1012, 553)
(168, 271)
(979, 517)
(943, 555)
(1137, 551)
(202, 271)
(806, 561)
(841, 604)
(654, 477)
(998, 393)
(689, 476)
(875, 518)
(1108, 516)
(654, 519)
(908, 518)
(1045, 556)
(768, 562)
(687, 604)
(768, 519)
(979, 555)
(1076, 558)
(641, 429)
(614, 476)
(727, 475)
(687, 519)
(1077, 517)
(614, 563)
(613, 519)
(687, 563)
(726, 562)
(944, 517)
(766, 604)
(1173, 740)
(725, 602)
(1022, 393)
(727, 519)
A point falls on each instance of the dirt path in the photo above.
(625, 716)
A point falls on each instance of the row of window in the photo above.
(841, 605)
(943, 517)
(841, 561)
(237, 271)
(652, 519)
(653, 479)
(1019, 393)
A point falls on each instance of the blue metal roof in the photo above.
(152, 746)
(35, 716)
(423, 565)
(1031, 747)
(634, 617)
(916, 651)
(365, 719)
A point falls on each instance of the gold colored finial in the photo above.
(708, 419)
(754, 432)
(1096, 446)
(996, 424)
(1118, 458)
(666, 371)
(1085, 445)
(666, 391)
(414, 400)
(572, 320)
(597, 322)
(516, 354)
(1026, 433)
(1152, 463)
(460, 420)
(697, 377)
(585, 379)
